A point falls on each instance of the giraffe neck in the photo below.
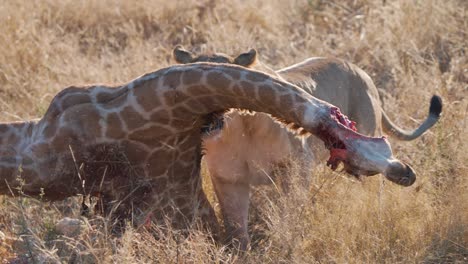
(201, 89)
(14, 139)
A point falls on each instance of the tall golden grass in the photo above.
(411, 48)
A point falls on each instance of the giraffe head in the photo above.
(246, 59)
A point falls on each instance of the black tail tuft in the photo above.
(436, 106)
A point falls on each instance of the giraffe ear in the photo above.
(182, 55)
(246, 59)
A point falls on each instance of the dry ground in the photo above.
(411, 48)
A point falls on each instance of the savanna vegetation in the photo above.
(412, 49)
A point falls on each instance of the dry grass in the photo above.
(412, 49)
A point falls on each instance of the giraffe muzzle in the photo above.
(362, 155)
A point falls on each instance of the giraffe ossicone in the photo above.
(139, 144)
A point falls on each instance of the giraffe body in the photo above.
(138, 145)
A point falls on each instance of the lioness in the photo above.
(250, 146)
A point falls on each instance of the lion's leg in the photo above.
(234, 203)
(208, 215)
(296, 169)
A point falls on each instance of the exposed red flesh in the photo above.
(337, 148)
(336, 156)
(342, 119)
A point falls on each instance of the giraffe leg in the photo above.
(234, 202)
